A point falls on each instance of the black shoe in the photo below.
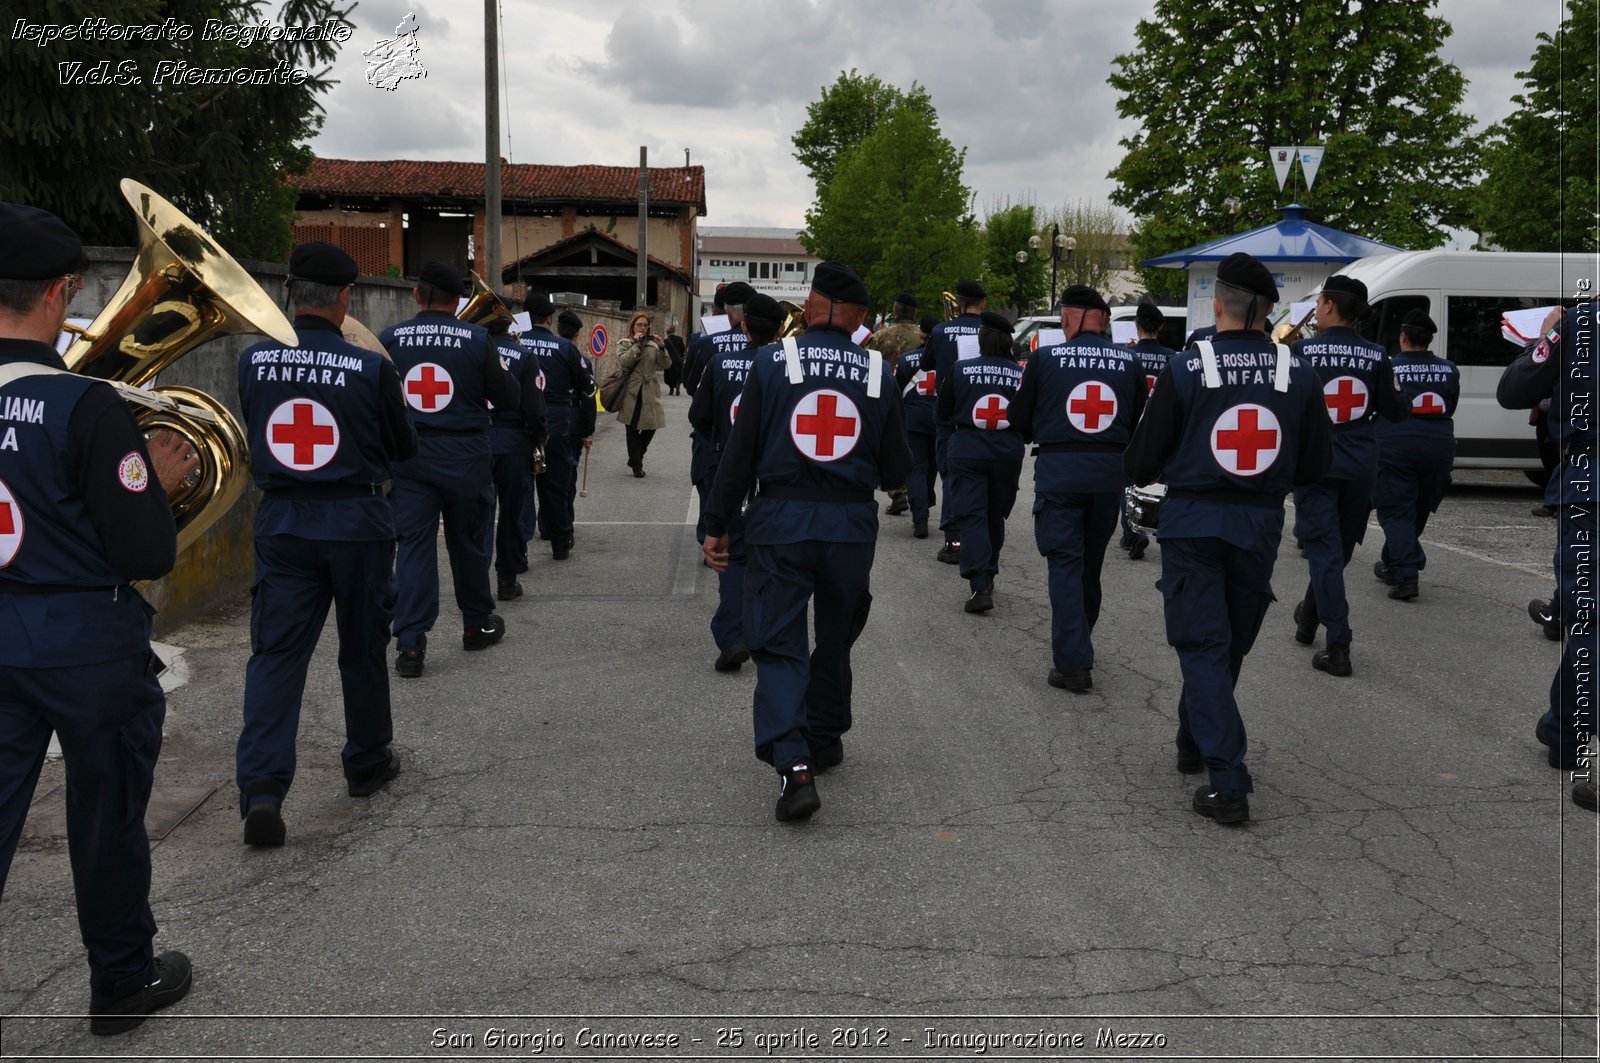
(982, 601)
(919, 529)
(1213, 805)
(408, 665)
(263, 823)
(1076, 681)
(1404, 592)
(509, 591)
(1541, 613)
(174, 976)
(827, 757)
(950, 553)
(1335, 660)
(1190, 763)
(1543, 511)
(1305, 628)
(1382, 572)
(1137, 548)
(373, 783)
(898, 506)
(638, 472)
(562, 552)
(731, 658)
(798, 798)
(484, 635)
(1584, 794)
(1548, 740)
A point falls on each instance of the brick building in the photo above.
(562, 228)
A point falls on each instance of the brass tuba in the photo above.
(950, 304)
(1287, 333)
(794, 319)
(182, 291)
(484, 307)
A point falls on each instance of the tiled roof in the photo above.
(560, 246)
(525, 182)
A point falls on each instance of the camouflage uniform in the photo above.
(895, 339)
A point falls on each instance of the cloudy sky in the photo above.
(1020, 83)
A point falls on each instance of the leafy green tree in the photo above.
(1099, 244)
(1005, 232)
(1214, 83)
(217, 151)
(845, 115)
(896, 211)
(1539, 193)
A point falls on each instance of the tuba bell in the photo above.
(182, 291)
(484, 307)
(794, 319)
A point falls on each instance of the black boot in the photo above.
(1335, 660)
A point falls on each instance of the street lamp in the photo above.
(1022, 264)
(1058, 244)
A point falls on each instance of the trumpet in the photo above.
(182, 291)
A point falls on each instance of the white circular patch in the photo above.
(541, 380)
(133, 472)
(1428, 404)
(992, 413)
(1092, 407)
(302, 435)
(825, 425)
(1246, 439)
(10, 525)
(1346, 397)
(1541, 353)
(429, 387)
(733, 408)
(928, 384)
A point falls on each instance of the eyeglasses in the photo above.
(74, 283)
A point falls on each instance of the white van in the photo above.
(1466, 292)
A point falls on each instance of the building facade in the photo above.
(773, 261)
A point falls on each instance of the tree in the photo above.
(218, 151)
(845, 115)
(1005, 232)
(1215, 83)
(1100, 239)
(896, 211)
(1539, 193)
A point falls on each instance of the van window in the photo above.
(1383, 324)
(1474, 329)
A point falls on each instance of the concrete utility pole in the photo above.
(644, 218)
(491, 164)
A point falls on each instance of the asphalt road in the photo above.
(581, 833)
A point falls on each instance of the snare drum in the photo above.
(1143, 506)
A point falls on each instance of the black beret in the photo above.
(569, 319)
(35, 244)
(737, 294)
(989, 319)
(839, 282)
(1340, 283)
(763, 308)
(1084, 297)
(539, 304)
(322, 263)
(1243, 271)
(1149, 316)
(927, 322)
(907, 300)
(1418, 319)
(442, 276)
(970, 290)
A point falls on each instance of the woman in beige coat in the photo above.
(643, 356)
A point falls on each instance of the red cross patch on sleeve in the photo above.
(133, 472)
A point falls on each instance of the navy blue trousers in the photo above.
(462, 494)
(727, 623)
(558, 486)
(802, 696)
(510, 489)
(703, 461)
(1570, 719)
(1073, 530)
(108, 716)
(941, 457)
(924, 474)
(296, 580)
(1215, 598)
(1412, 481)
(1330, 518)
(980, 493)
